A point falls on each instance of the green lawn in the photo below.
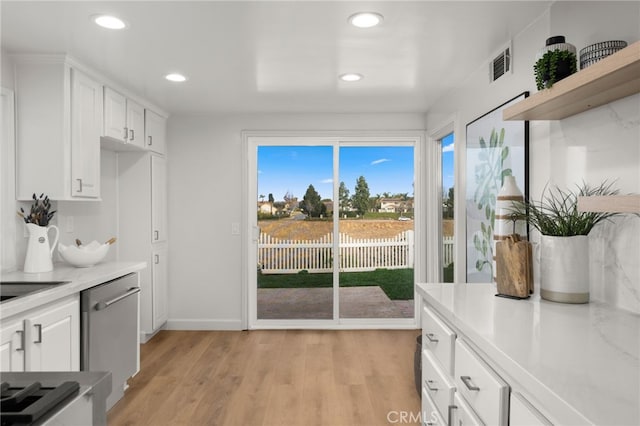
(396, 283)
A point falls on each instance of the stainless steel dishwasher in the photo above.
(110, 335)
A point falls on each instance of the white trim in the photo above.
(8, 260)
(203, 324)
(449, 125)
(251, 140)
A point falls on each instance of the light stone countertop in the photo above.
(580, 363)
(78, 279)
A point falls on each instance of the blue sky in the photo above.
(294, 168)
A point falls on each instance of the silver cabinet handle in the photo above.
(132, 135)
(431, 337)
(39, 327)
(467, 381)
(103, 305)
(156, 235)
(150, 140)
(126, 133)
(80, 183)
(21, 333)
(157, 259)
(429, 384)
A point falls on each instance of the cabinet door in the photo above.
(160, 287)
(86, 128)
(135, 124)
(12, 346)
(158, 199)
(115, 115)
(53, 337)
(155, 132)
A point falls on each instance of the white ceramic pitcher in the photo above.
(39, 251)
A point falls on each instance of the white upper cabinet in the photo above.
(86, 125)
(155, 131)
(123, 121)
(58, 128)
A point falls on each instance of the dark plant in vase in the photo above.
(39, 213)
(553, 67)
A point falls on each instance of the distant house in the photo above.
(265, 207)
(395, 205)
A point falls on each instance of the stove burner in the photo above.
(26, 404)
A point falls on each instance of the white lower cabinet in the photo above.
(437, 384)
(160, 296)
(43, 339)
(460, 387)
(462, 414)
(430, 415)
(485, 391)
(12, 345)
(522, 413)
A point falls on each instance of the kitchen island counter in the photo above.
(579, 364)
(76, 280)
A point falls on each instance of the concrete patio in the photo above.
(317, 303)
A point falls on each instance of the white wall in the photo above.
(599, 144)
(205, 175)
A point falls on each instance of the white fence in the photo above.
(286, 256)
(447, 251)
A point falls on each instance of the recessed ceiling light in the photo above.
(351, 77)
(178, 78)
(109, 21)
(365, 19)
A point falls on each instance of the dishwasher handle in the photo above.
(104, 305)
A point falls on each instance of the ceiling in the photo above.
(270, 56)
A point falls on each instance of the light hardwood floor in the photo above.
(273, 377)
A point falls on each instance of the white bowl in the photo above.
(85, 255)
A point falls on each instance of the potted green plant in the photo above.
(556, 61)
(564, 243)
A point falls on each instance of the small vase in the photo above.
(39, 252)
(564, 68)
(564, 269)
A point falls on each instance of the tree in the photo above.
(312, 203)
(343, 196)
(361, 196)
(447, 205)
(261, 198)
(271, 200)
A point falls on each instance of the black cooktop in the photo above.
(24, 405)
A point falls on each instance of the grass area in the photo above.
(396, 283)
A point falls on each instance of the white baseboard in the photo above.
(204, 324)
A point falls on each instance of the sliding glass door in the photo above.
(333, 231)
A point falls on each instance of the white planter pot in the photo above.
(564, 269)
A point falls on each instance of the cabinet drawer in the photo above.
(485, 391)
(437, 384)
(522, 413)
(430, 415)
(462, 414)
(438, 338)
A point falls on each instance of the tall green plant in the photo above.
(489, 175)
(556, 214)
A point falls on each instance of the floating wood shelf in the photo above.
(614, 77)
(610, 204)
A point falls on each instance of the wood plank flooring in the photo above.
(272, 377)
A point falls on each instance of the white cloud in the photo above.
(326, 180)
(259, 172)
(448, 148)
(382, 160)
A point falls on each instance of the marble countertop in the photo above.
(580, 362)
(77, 280)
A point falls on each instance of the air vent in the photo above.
(500, 65)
